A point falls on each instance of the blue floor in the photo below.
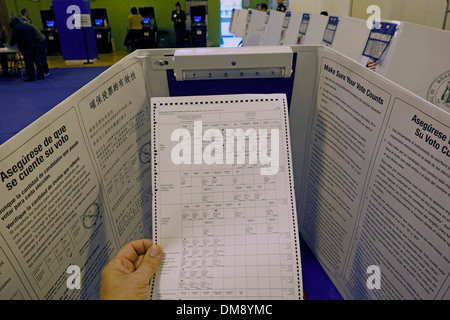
(21, 103)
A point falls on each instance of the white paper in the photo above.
(228, 232)
(82, 20)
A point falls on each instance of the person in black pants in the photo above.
(134, 27)
(43, 55)
(25, 36)
(179, 23)
(43, 43)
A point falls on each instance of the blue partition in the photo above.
(77, 42)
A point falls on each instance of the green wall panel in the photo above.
(252, 4)
(118, 11)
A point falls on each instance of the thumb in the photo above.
(151, 261)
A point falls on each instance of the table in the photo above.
(17, 63)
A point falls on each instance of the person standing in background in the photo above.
(43, 42)
(24, 18)
(25, 36)
(281, 7)
(134, 28)
(179, 23)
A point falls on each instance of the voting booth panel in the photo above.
(396, 131)
(290, 28)
(272, 28)
(312, 28)
(381, 39)
(350, 37)
(418, 60)
(254, 27)
(240, 23)
(379, 42)
(234, 17)
(330, 30)
(79, 233)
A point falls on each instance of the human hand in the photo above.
(127, 275)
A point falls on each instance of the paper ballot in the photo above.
(224, 203)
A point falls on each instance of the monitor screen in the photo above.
(98, 22)
(197, 19)
(50, 23)
(146, 20)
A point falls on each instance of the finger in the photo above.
(138, 261)
(151, 261)
(133, 249)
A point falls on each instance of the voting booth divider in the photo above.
(417, 59)
(272, 28)
(411, 55)
(234, 16)
(290, 28)
(254, 27)
(239, 22)
(371, 178)
(349, 37)
(312, 28)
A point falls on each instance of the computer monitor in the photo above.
(99, 15)
(198, 14)
(48, 19)
(50, 23)
(147, 13)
